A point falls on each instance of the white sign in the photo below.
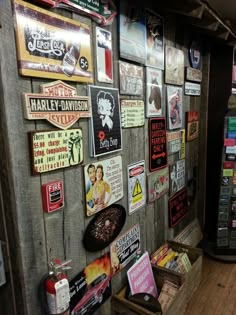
(192, 89)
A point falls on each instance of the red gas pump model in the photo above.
(56, 289)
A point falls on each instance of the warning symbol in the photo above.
(137, 192)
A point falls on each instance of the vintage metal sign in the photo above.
(91, 287)
(52, 46)
(154, 91)
(192, 89)
(230, 150)
(177, 176)
(192, 125)
(195, 54)
(55, 149)
(131, 79)
(158, 184)
(174, 106)
(2, 269)
(102, 11)
(132, 33)
(193, 74)
(182, 148)
(228, 164)
(104, 55)
(174, 65)
(231, 124)
(53, 196)
(178, 207)
(229, 142)
(174, 141)
(103, 184)
(136, 186)
(132, 113)
(157, 144)
(123, 249)
(106, 136)
(58, 104)
(154, 40)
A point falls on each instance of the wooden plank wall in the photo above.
(40, 237)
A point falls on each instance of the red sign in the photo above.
(178, 207)
(228, 165)
(157, 144)
(53, 196)
(192, 125)
(229, 142)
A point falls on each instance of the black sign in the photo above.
(106, 127)
(104, 228)
(178, 207)
(157, 144)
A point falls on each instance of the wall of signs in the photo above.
(105, 122)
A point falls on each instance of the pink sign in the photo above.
(140, 276)
(229, 142)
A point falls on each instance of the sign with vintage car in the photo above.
(157, 144)
(52, 46)
(132, 113)
(124, 248)
(51, 150)
(178, 207)
(58, 104)
(91, 287)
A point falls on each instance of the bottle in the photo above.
(70, 59)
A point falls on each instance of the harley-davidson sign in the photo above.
(58, 103)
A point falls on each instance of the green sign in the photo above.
(231, 123)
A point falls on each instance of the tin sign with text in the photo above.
(132, 113)
(158, 184)
(174, 141)
(192, 89)
(192, 127)
(58, 104)
(51, 150)
(178, 207)
(123, 249)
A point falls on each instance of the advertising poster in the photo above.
(51, 150)
(52, 46)
(136, 186)
(158, 184)
(154, 79)
(178, 207)
(104, 55)
(103, 184)
(192, 125)
(58, 104)
(91, 287)
(155, 40)
(106, 126)
(131, 79)
(174, 141)
(132, 113)
(177, 176)
(174, 65)
(174, 106)
(123, 250)
(140, 276)
(157, 144)
(132, 32)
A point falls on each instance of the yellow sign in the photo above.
(52, 46)
(137, 192)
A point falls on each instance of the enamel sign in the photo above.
(192, 123)
(58, 104)
(174, 141)
(55, 149)
(132, 113)
(174, 66)
(178, 207)
(193, 74)
(158, 184)
(192, 89)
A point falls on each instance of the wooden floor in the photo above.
(216, 294)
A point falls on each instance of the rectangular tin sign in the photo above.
(55, 149)
(182, 148)
(158, 184)
(177, 176)
(132, 113)
(178, 207)
(154, 92)
(174, 65)
(174, 141)
(193, 74)
(174, 106)
(192, 89)
(192, 125)
(52, 46)
(131, 79)
(229, 142)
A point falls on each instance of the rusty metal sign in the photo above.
(59, 104)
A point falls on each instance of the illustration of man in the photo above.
(92, 178)
(106, 106)
(71, 148)
(78, 139)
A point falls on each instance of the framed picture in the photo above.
(154, 79)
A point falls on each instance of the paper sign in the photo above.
(132, 113)
(178, 207)
(154, 83)
(158, 184)
(140, 276)
(157, 144)
(58, 103)
(131, 79)
(123, 250)
(174, 107)
(174, 65)
(136, 186)
(52, 150)
(103, 184)
(52, 46)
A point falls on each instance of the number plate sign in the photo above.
(56, 149)
(58, 103)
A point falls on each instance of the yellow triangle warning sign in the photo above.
(137, 189)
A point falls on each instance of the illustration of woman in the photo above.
(100, 192)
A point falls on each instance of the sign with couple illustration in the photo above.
(103, 184)
(105, 124)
